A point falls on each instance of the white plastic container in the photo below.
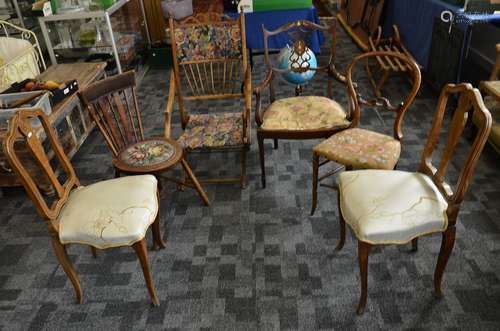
(178, 9)
(42, 102)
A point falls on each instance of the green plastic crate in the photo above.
(268, 5)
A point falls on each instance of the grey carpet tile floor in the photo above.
(255, 259)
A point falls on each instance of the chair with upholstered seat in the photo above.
(357, 148)
(396, 207)
(210, 63)
(112, 103)
(299, 117)
(107, 214)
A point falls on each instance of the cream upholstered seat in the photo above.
(361, 149)
(394, 207)
(304, 113)
(103, 216)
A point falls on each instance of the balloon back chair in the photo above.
(357, 148)
(112, 103)
(210, 63)
(397, 207)
(107, 214)
(299, 117)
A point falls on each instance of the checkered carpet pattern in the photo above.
(255, 259)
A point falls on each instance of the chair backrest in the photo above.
(112, 103)
(355, 98)
(300, 38)
(469, 100)
(495, 73)
(20, 129)
(210, 59)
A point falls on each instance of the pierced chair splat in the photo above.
(385, 207)
(113, 105)
(210, 63)
(357, 148)
(299, 117)
(102, 215)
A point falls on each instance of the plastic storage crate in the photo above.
(42, 102)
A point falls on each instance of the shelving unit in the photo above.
(18, 12)
(52, 26)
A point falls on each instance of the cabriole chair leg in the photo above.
(68, 268)
(447, 244)
(363, 252)
(140, 248)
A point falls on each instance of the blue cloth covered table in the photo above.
(273, 20)
(415, 20)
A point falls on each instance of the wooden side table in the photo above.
(71, 123)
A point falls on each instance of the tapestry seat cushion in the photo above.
(213, 131)
(110, 213)
(304, 113)
(390, 206)
(147, 153)
(361, 149)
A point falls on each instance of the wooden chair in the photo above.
(210, 63)
(395, 207)
(384, 66)
(103, 215)
(357, 148)
(112, 103)
(299, 117)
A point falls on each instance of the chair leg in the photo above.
(315, 166)
(93, 250)
(340, 245)
(142, 252)
(414, 245)
(195, 182)
(117, 173)
(243, 181)
(65, 263)
(260, 140)
(158, 242)
(363, 252)
(182, 187)
(447, 244)
(275, 143)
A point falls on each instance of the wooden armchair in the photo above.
(112, 103)
(210, 63)
(299, 117)
(103, 215)
(357, 148)
(395, 207)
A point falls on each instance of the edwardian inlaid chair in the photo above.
(299, 117)
(107, 214)
(210, 63)
(112, 103)
(357, 148)
(396, 207)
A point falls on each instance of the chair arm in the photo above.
(170, 106)
(258, 91)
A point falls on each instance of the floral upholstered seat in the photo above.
(361, 149)
(212, 131)
(115, 219)
(147, 153)
(304, 113)
(401, 206)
